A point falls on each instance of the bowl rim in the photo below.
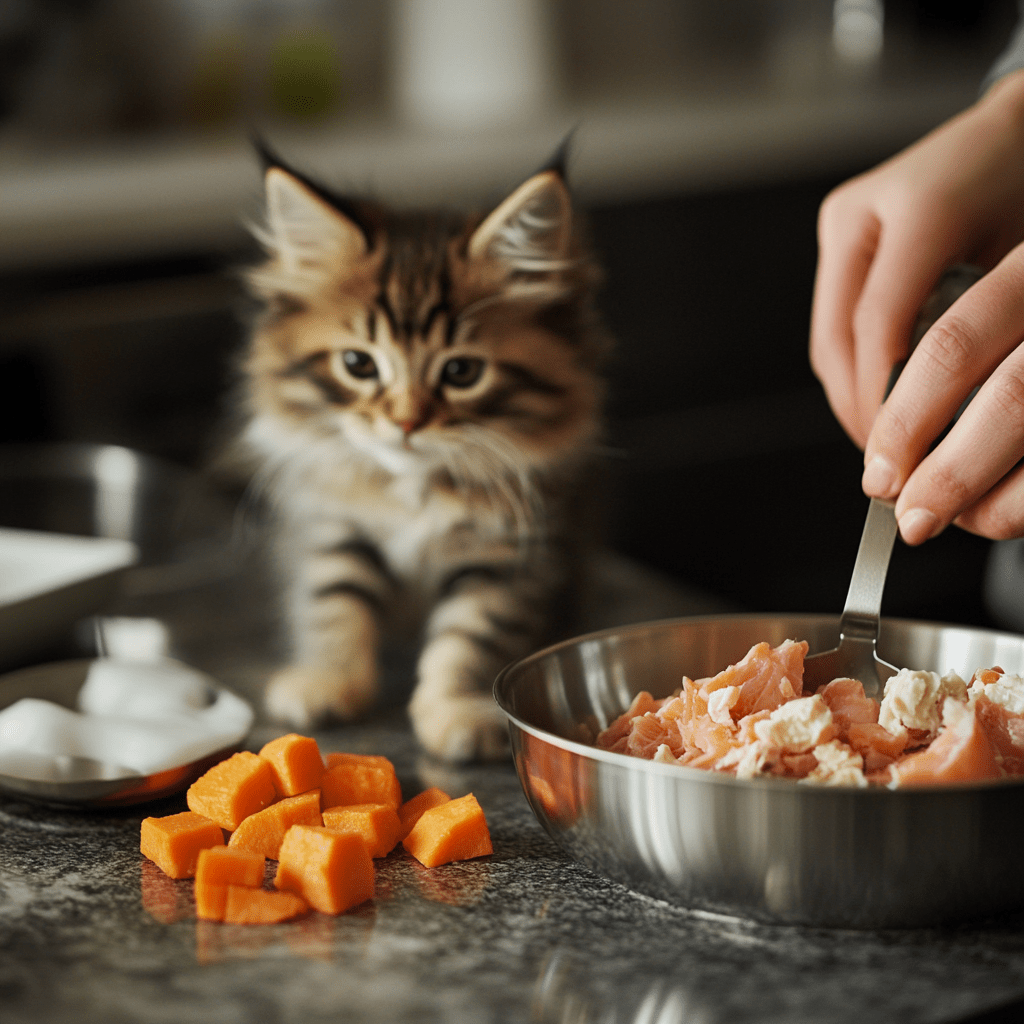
(631, 763)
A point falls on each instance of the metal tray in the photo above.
(79, 781)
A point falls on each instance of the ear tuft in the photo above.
(531, 230)
(308, 234)
(559, 160)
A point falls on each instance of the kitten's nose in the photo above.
(410, 412)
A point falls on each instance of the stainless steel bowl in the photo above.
(769, 849)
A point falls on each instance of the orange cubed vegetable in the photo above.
(264, 831)
(232, 790)
(378, 825)
(173, 843)
(331, 871)
(456, 830)
(296, 762)
(360, 779)
(217, 869)
(260, 906)
(409, 813)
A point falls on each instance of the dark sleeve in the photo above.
(1012, 58)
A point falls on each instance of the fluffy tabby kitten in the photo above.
(423, 403)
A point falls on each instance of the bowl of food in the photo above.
(756, 843)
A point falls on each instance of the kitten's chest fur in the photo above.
(421, 533)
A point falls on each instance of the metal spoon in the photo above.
(856, 656)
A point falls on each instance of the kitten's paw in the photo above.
(468, 727)
(303, 695)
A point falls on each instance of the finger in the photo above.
(963, 348)
(984, 445)
(847, 242)
(999, 514)
(912, 254)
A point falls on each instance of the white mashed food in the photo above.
(913, 700)
(143, 717)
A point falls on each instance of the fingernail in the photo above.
(918, 525)
(879, 477)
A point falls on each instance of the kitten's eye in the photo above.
(359, 364)
(462, 372)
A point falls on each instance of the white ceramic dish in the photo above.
(48, 581)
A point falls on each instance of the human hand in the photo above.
(885, 238)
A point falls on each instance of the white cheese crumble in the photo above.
(664, 755)
(913, 700)
(1007, 691)
(797, 726)
(748, 760)
(838, 765)
(721, 702)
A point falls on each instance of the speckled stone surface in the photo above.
(92, 932)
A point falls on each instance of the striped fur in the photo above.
(422, 403)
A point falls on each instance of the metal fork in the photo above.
(856, 656)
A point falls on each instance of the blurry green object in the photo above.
(304, 73)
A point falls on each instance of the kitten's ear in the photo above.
(306, 231)
(531, 229)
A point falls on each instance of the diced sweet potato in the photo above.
(173, 842)
(296, 762)
(232, 790)
(259, 906)
(331, 871)
(377, 824)
(456, 830)
(359, 779)
(264, 831)
(217, 869)
(409, 813)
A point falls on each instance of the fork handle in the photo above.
(864, 598)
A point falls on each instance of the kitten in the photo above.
(423, 401)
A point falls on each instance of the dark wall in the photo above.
(728, 467)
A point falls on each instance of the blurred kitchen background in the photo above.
(707, 134)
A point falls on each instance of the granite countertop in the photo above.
(91, 931)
